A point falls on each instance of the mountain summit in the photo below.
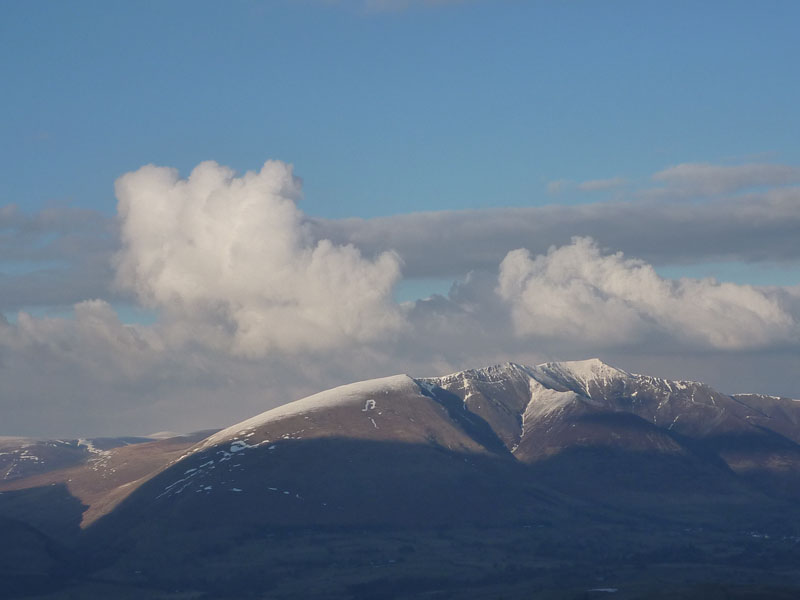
(570, 450)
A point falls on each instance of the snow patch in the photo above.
(582, 372)
(545, 401)
(99, 458)
(238, 446)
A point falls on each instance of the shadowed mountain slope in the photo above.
(560, 461)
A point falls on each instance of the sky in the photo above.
(209, 209)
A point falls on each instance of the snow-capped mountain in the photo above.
(511, 412)
(518, 400)
(555, 446)
(504, 417)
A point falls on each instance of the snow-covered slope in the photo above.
(390, 410)
(539, 403)
(578, 374)
(362, 395)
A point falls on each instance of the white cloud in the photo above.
(558, 186)
(230, 263)
(94, 342)
(66, 251)
(598, 185)
(577, 292)
(756, 227)
(256, 308)
(708, 179)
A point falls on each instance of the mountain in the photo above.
(578, 423)
(60, 485)
(24, 457)
(486, 482)
(542, 411)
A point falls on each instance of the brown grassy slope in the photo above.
(103, 481)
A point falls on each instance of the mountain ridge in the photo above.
(563, 461)
(500, 404)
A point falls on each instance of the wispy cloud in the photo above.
(55, 257)
(559, 186)
(755, 227)
(709, 179)
(595, 185)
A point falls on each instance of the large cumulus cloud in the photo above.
(578, 292)
(66, 251)
(230, 259)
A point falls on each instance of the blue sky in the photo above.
(445, 106)
(497, 155)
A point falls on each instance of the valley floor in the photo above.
(534, 560)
